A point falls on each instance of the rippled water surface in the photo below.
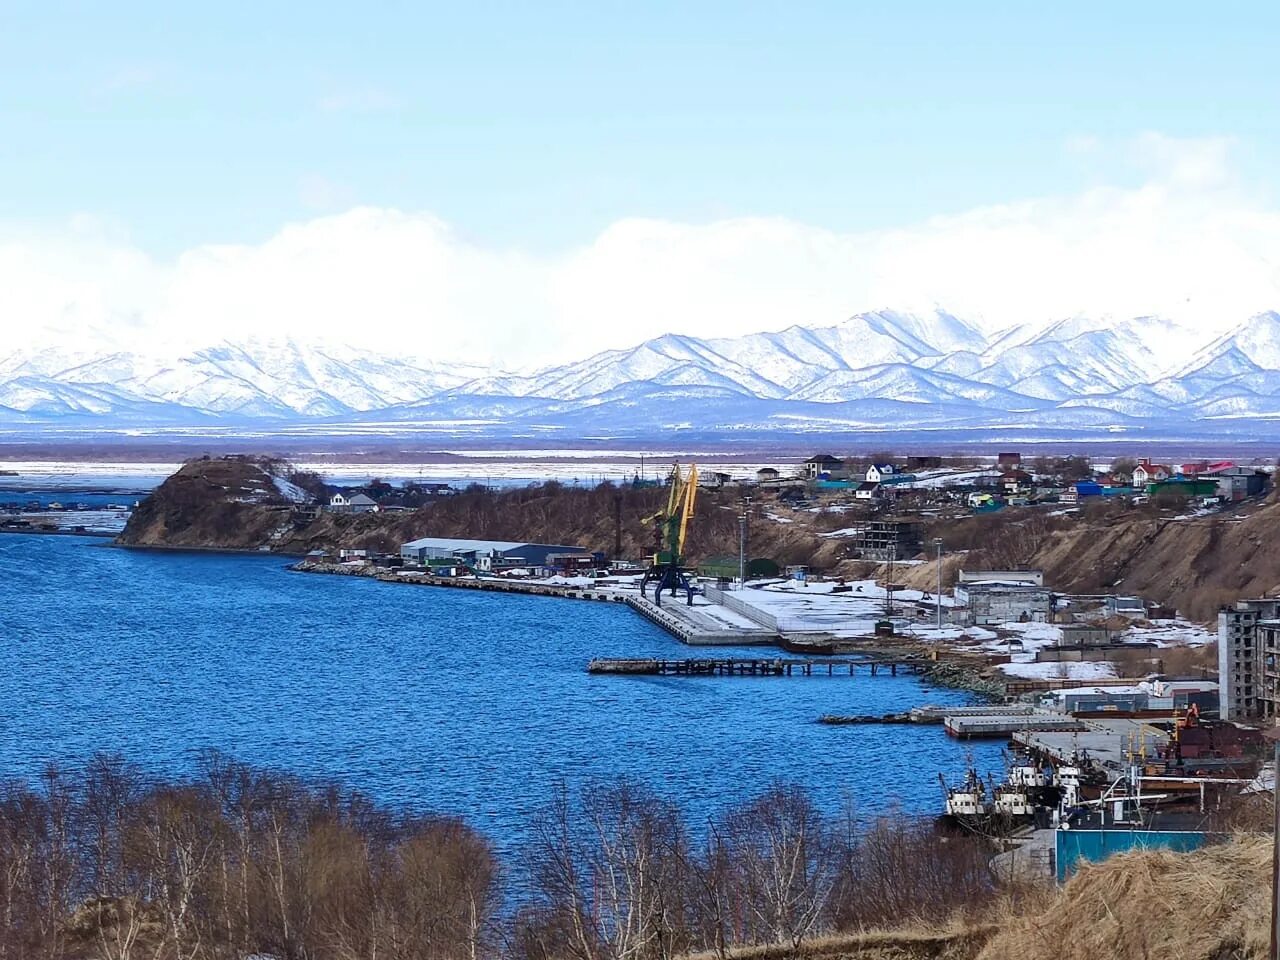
(455, 701)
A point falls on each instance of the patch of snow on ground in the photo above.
(290, 490)
(1033, 636)
(730, 618)
(1171, 633)
(569, 581)
(1086, 670)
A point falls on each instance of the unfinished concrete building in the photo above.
(891, 539)
(1248, 645)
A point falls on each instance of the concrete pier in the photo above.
(1107, 743)
(1005, 725)
(689, 625)
(934, 714)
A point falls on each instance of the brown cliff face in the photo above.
(1194, 565)
(226, 503)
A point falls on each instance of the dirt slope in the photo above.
(1195, 565)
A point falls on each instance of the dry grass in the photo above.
(1209, 905)
(954, 942)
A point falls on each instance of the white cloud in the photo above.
(1189, 243)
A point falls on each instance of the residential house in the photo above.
(1193, 469)
(1009, 460)
(1147, 472)
(1086, 488)
(359, 503)
(765, 474)
(879, 472)
(867, 490)
(1015, 482)
(825, 467)
(1236, 483)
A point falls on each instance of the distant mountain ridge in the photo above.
(874, 371)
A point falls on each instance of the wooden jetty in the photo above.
(839, 720)
(756, 667)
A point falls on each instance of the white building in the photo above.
(1148, 472)
(877, 472)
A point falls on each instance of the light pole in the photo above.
(742, 551)
(937, 544)
(1273, 734)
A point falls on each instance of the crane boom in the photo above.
(686, 511)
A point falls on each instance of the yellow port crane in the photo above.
(670, 527)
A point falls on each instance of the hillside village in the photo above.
(980, 557)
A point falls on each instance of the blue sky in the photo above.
(538, 124)
(489, 181)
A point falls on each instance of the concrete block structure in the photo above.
(995, 602)
(884, 540)
(1248, 643)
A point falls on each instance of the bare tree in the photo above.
(610, 875)
(782, 853)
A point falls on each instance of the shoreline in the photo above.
(955, 674)
(100, 534)
(184, 548)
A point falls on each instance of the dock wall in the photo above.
(730, 601)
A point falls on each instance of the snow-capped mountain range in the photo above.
(875, 371)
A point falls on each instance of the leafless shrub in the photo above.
(609, 877)
(899, 870)
(784, 864)
(105, 862)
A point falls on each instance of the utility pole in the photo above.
(937, 544)
(617, 526)
(888, 587)
(742, 551)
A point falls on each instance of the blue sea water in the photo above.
(453, 701)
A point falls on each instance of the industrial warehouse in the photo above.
(448, 555)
